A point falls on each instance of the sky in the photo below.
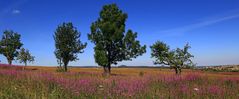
(211, 27)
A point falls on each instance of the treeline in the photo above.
(113, 44)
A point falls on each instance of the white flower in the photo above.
(101, 86)
(196, 89)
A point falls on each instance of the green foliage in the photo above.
(112, 43)
(177, 59)
(25, 56)
(10, 44)
(67, 43)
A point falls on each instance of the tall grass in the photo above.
(18, 84)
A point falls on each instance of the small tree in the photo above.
(10, 44)
(112, 43)
(25, 56)
(67, 43)
(176, 59)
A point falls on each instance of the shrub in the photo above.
(141, 73)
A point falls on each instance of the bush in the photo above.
(141, 73)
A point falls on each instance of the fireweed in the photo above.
(94, 85)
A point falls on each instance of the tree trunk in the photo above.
(176, 70)
(65, 65)
(10, 62)
(180, 70)
(109, 59)
(105, 70)
(25, 66)
(109, 69)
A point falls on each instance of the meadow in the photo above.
(124, 83)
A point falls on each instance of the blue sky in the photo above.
(210, 26)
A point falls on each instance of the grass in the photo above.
(139, 83)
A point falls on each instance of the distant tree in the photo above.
(112, 43)
(67, 43)
(25, 56)
(10, 44)
(176, 59)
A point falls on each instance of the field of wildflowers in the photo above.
(124, 83)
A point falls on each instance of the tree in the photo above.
(25, 56)
(10, 44)
(176, 59)
(67, 43)
(112, 43)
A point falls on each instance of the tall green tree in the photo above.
(25, 56)
(112, 43)
(10, 44)
(176, 59)
(67, 43)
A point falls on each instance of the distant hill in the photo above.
(224, 67)
(220, 68)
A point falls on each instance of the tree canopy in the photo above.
(25, 56)
(67, 43)
(112, 43)
(10, 44)
(176, 59)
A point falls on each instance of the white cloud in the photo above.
(187, 28)
(16, 11)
